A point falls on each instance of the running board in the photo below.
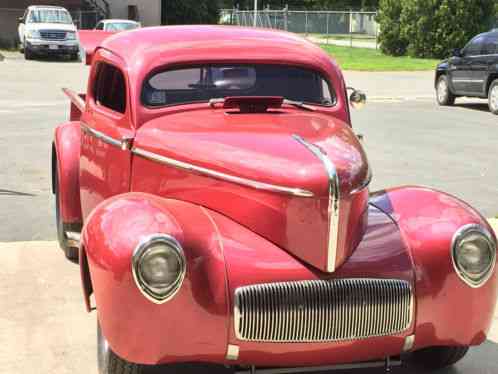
(387, 364)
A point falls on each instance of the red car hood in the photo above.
(263, 148)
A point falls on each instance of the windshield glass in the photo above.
(202, 83)
(50, 16)
(121, 26)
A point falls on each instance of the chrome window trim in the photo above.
(139, 250)
(334, 201)
(459, 234)
(221, 176)
(100, 135)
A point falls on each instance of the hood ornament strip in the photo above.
(221, 176)
(334, 200)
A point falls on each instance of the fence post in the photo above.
(286, 16)
(328, 18)
(306, 23)
(351, 27)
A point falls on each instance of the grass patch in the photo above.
(365, 59)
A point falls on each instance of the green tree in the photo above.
(432, 28)
(389, 18)
(184, 12)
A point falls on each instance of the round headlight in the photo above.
(474, 254)
(159, 267)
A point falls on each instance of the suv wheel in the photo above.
(28, 55)
(435, 358)
(493, 97)
(443, 93)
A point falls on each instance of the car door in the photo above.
(461, 72)
(107, 131)
(484, 64)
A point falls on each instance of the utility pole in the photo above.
(255, 13)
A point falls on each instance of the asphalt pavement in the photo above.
(44, 327)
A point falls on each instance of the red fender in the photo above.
(449, 312)
(66, 158)
(137, 329)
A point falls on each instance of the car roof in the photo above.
(118, 20)
(149, 47)
(46, 7)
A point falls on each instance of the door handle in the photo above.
(126, 143)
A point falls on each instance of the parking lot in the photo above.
(43, 324)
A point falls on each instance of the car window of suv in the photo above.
(475, 47)
(109, 88)
(491, 45)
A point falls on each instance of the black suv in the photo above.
(472, 72)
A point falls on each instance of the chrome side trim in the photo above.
(135, 264)
(221, 176)
(334, 201)
(318, 311)
(100, 135)
(460, 234)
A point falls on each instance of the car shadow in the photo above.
(14, 193)
(479, 360)
(482, 107)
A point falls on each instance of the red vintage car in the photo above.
(216, 197)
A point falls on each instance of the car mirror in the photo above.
(20, 20)
(358, 98)
(457, 52)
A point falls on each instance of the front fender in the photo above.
(190, 327)
(449, 312)
(65, 165)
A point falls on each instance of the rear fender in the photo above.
(192, 326)
(65, 165)
(449, 312)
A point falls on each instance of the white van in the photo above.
(48, 30)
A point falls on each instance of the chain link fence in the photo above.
(347, 28)
(9, 22)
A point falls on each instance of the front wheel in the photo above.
(435, 358)
(109, 362)
(493, 97)
(443, 93)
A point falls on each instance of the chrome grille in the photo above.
(321, 311)
(53, 34)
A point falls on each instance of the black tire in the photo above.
(71, 253)
(109, 362)
(435, 358)
(443, 93)
(28, 54)
(493, 97)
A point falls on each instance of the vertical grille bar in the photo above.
(318, 311)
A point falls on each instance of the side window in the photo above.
(109, 88)
(491, 45)
(474, 48)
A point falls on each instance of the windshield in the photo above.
(50, 16)
(202, 83)
(121, 26)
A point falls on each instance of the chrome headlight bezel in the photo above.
(138, 255)
(461, 234)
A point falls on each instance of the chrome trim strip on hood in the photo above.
(221, 176)
(334, 200)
